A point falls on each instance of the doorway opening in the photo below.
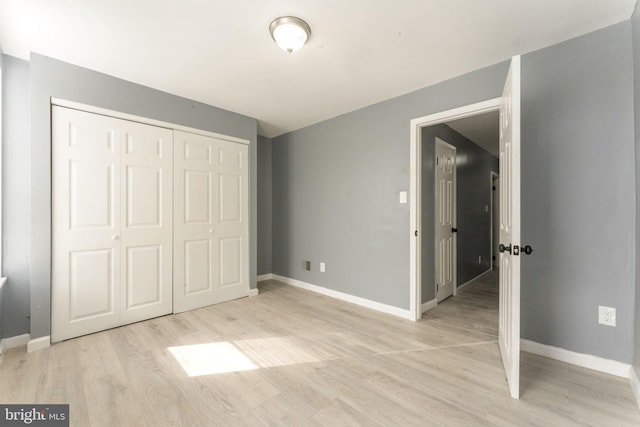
(509, 164)
(418, 193)
(460, 209)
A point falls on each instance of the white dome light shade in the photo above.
(289, 33)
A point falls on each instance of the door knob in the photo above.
(503, 248)
(454, 230)
(527, 250)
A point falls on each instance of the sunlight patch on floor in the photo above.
(212, 358)
(243, 355)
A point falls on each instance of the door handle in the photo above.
(502, 248)
(454, 230)
(527, 250)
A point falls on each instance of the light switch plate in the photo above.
(403, 197)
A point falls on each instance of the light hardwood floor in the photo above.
(295, 358)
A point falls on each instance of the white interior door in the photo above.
(445, 268)
(111, 224)
(509, 322)
(146, 221)
(211, 258)
(85, 223)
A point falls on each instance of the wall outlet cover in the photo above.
(606, 315)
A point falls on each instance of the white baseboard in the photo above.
(635, 385)
(608, 366)
(474, 279)
(253, 292)
(374, 305)
(429, 305)
(38, 343)
(13, 342)
(264, 277)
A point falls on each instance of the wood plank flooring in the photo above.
(289, 357)
(475, 307)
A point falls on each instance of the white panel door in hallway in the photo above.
(445, 214)
(111, 222)
(211, 221)
(509, 318)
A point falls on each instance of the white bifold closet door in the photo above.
(211, 224)
(111, 222)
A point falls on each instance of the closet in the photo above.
(118, 256)
(210, 232)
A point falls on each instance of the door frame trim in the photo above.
(415, 200)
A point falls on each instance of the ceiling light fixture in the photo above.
(289, 33)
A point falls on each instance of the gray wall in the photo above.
(15, 195)
(473, 193)
(52, 78)
(578, 193)
(336, 185)
(264, 205)
(635, 22)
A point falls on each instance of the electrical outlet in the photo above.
(606, 315)
(322, 267)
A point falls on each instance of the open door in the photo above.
(509, 329)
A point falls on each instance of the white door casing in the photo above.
(111, 257)
(445, 219)
(509, 321)
(211, 221)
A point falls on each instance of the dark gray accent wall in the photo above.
(15, 195)
(264, 205)
(474, 167)
(53, 78)
(336, 191)
(635, 23)
(578, 193)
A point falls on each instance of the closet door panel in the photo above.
(232, 227)
(85, 223)
(147, 222)
(210, 188)
(112, 222)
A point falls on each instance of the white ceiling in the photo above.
(360, 52)
(482, 129)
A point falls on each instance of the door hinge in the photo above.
(437, 287)
(416, 233)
